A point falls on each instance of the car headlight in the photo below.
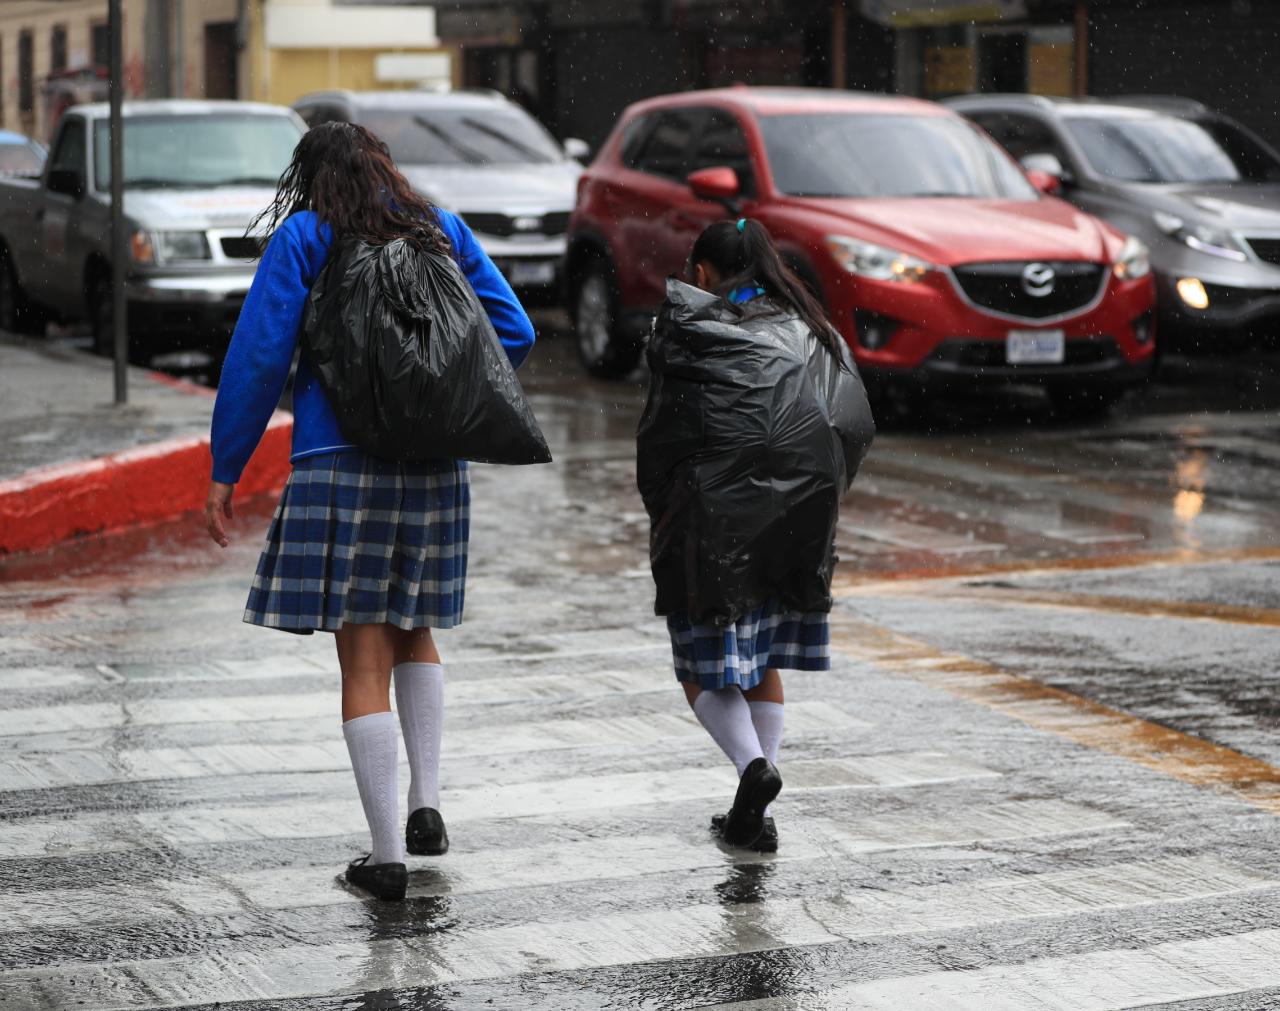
(1201, 238)
(169, 247)
(1134, 260)
(876, 262)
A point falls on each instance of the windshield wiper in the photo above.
(469, 155)
(532, 153)
(152, 183)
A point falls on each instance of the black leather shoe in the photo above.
(425, 835)
(768, 841)
(760, 784)
(383, 881)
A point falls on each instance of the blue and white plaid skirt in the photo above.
(714, 656)
(360, 540)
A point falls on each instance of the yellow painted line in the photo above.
(1162, 749)
(849, 579)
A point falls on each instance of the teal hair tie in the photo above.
(742, 223)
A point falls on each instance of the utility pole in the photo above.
(179, 88)
(119, 247)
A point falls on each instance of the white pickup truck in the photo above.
(195, 176)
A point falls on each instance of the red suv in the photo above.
(936, 256)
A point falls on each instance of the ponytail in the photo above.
(744, 255)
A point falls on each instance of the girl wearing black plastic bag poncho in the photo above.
(755, 426)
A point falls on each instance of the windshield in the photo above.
(867, 155)
(1164, 149)
(198, 151)
(20, 159)
(427, 136)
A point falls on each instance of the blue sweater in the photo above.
(262, 347)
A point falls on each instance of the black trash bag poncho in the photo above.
(411, 363)
(752, 434)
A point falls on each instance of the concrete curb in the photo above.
(137, 486)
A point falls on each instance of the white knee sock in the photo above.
(727, 718)
(371, 741)
(767, 717)
(420, 701)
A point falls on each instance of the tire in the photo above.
(1084, 403)
(604, 351)
(17, 314)
(99, 300)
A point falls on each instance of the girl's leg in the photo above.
(419, 681)
(765, 701)
(725, 715)
(365, 654)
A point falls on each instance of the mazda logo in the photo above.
(1037, 279)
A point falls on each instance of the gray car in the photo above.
(1199, 189)
(481, 156)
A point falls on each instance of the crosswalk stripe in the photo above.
(325, 750)
(105, 831)
(690, 932)
(522, 867)
(1093, 981)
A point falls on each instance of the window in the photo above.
(26, 73)
(723, 143)
(436, 135)
(1022, 135)
(666, 149)
(58, 49)
(68, 150)
(101, 43)
(637, 132)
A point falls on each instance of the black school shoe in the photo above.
(768, 841)
(744, 824)
(425, 835)
(383, 881)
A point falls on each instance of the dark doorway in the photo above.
(1002, 61)
(221, 61)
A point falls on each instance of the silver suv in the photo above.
(481, 156)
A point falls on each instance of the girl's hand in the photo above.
(217, 506)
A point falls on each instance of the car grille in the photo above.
(241, 247)
(505, 225)
(1267, 249)
(991, 354)
(999, 287)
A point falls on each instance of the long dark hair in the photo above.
(744, 255)
(345, 174)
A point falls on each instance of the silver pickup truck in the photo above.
(195, 175)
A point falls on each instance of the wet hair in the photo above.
(744, 255)
(345, 174)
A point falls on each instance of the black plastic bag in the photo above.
(752, 434)
(411, 363)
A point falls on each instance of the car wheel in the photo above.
(17, 315)
(603, 350)
(101, 318)
(1084, 403)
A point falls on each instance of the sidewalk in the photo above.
(73, 463)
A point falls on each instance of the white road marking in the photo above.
(918, 537)
(105, 831)
(498, 869)
(1093, 981)
(690, 932)
(325, 749)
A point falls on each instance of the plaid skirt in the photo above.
(715, 656)
(356, 539)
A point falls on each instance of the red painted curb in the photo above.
(141, 485)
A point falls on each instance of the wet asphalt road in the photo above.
(1043, 772)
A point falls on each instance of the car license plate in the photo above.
(1036, 347)
(532, 272)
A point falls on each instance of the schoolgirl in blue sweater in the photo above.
(372, 550)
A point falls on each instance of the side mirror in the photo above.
(577, 148)
(1046, 183)
(719, 183)
(1046, 164)
(65, 181)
